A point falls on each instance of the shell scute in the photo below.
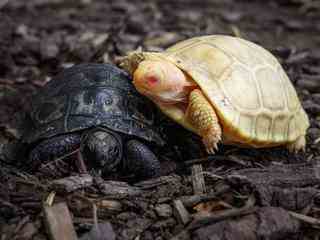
(263, 126)
(269, 83)
(244, 94)
(280, 128)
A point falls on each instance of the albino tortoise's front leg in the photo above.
(203, 117)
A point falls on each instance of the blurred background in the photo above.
(39, 38)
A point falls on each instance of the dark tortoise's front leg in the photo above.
(102, 150)
(53, 148)
(140, 160)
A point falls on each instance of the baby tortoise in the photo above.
(93, 107)
(224, 89)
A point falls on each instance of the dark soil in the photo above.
(39, 38)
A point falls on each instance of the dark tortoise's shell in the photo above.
(89, 95)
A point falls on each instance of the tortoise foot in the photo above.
(53, 148)
(298, 145)
(141, 161)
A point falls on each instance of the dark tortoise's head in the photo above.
(102, 149)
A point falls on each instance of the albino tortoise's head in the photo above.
(161, 81)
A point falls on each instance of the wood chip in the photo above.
(155, 182)
(114, 189)
(111, 205)
(99, 231)
(306, 219)
(230, 213)
(70, 184)
(181, 212)
(264, 223)
(58, 222)
(198, 183)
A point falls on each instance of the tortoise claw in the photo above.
(211, 149)
(298, 145)
(211, 144)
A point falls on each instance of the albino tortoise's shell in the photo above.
(256, 103)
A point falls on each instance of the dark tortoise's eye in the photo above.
(108, 101)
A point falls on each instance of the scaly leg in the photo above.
(202, 116)
(141, 161)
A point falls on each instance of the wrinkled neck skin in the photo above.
(163, 82)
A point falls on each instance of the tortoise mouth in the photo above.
(165, 97)
(166, 100)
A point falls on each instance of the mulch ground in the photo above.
(235, 194)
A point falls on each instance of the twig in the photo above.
(199, 160)
(249, 208)
(213, 219)
(306, 219)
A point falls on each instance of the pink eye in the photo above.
(152, 80)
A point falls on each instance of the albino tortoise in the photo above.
(224, 89)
